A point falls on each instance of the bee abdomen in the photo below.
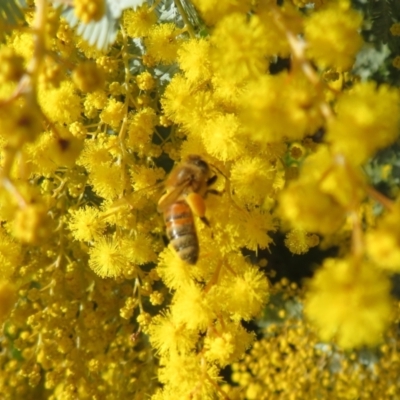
(181, 231)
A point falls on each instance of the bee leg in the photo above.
(205, 221)
(211, 180)
(216, 192)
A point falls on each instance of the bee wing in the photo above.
(129, 199)
(170, 197)
(148, 189)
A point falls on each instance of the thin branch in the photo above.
(185, 18)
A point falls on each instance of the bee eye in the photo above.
(198, 162)
(201, 164)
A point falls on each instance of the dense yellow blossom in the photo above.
(145, 81)
(62, 104)
(175, 99)
(336, 177)
(345, 185)
(286, 363)
(276, 41)
(138, 22)
(307, 208)
(113, 113)
(251, 293)
(182, 375)
(10, 254)
(367, 120)
(382, 243)
(22, 43)
(86, 224)
(173, 270)
(383, 247)
(279, 107)
(142, 250)
(256, 226)
(191, 307)
(78, 130)
(301, 141)
(221, 137)
(108, 181)
(162, 43)
(110, 257)
(194, 60)
(141, 127)
(350, 301)
(169, 336)
(229, 346)
(252, 179)
(214, 10)
(188, 105)
(89, 10)
(97, 99)
(94, 153)
(299, 242)
(332, 35)
(143, 178)
(238, 48)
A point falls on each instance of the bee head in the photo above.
(198, 162)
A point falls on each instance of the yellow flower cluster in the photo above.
(333, 36)
(89, 10)
(290, 362)
(349, 301)
(366, 121)
(93, 303)
(382, 241)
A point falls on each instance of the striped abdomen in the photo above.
(181, 231)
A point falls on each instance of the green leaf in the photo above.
(382, 19)
(11, 14)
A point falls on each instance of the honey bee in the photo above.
(186, 188)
